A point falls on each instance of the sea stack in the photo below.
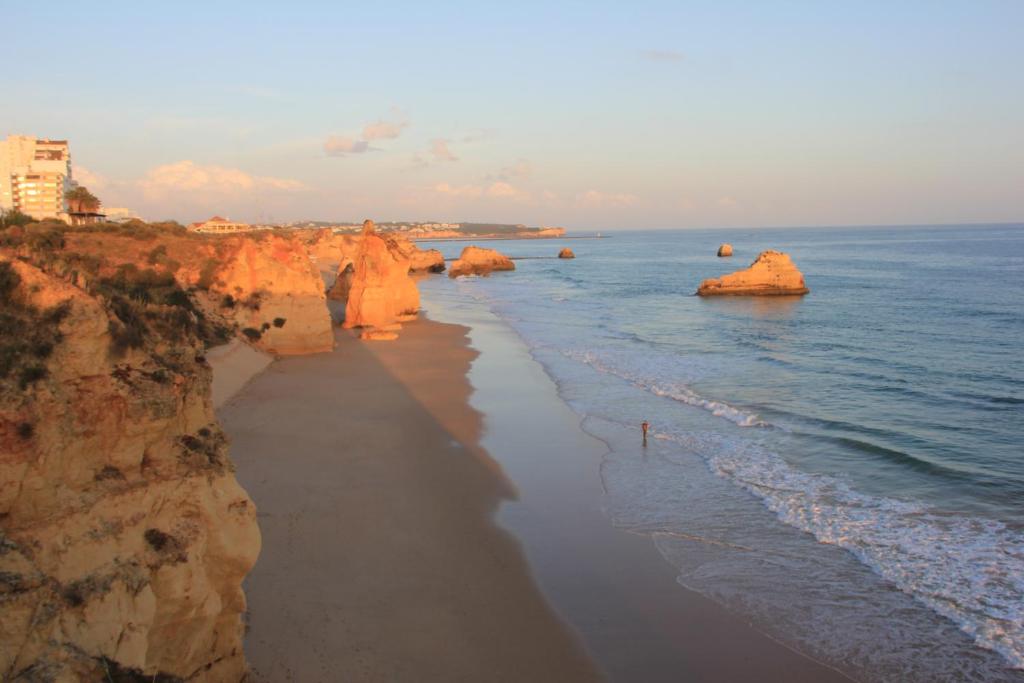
(725, 250)
(771, 273)
(420, 260)
(566, 253)
(479, 261)
(380, 293)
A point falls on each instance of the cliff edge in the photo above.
(124, 536)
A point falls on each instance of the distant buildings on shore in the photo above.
(120, 214)
(35, 174)
(408, 227)
(219, 226)
(35, 178)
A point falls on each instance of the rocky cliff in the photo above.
(420, 260)
(479, 261)
(272, 290)
(264, 286)
(771, 273)
(381, 294)
(330, 251)
(124, 536)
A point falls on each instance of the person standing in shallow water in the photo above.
(643, 428)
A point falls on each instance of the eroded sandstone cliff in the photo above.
(264, 286)
(124, 536)
(381, 295)
(272, 290)
(420, 260)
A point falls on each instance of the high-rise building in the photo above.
(34, 175)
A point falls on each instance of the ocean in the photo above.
(845, 470)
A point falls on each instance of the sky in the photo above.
(588, 115)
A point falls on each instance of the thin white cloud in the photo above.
(595, 199)
(93, 181)
(187, 176)
(663, 55)
(495, 190)
(520, 169)
(479, 135)
(383, 130)
(340, 145)
(503, 190)
(471, 191)
(440, 151)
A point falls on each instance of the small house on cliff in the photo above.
(219, 226)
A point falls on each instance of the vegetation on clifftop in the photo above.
(28, 335)
(146, 302)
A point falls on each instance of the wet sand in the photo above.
(380, 558)
(386, 503)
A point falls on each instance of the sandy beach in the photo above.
(234, 364)
(385, 556)
(381, 560)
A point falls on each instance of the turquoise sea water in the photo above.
(845, 469)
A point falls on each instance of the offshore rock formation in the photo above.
(725, 250)
(277, 294)
(381, 293)
(566, 253)
(771, 273)
(479, 261)
(420, 260)
(124, 536)
(426, 261)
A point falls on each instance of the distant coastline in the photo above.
(497, 238)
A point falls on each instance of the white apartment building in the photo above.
(34, 175)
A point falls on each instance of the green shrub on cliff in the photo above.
(28, 334)
(13, 218)
(136, 229)
(147, 304)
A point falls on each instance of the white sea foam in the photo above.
(669, 389)
(970, 570)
